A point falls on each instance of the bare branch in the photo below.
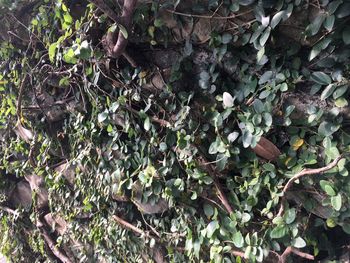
(55, 250)
(303, 173)
(292, 250)
(128, 11)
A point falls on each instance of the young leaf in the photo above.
(336, 202)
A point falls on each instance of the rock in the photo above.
(160, 206)
(21, 196)
(56, 223)
(37, 185)
(302, 101)
(67, 170)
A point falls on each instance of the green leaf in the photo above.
(265, 77)
(102, 116)
(298, 242)
(52, 51)
(232, 136)
(227, 100)
(258, 106)
(69, 57)
(346, 35)
(327, 128)
(277, 19)
(158, 22)
(333, 5)
(332, 152)
(212, 226)
(290, 216)
(278, 232)
(340, 91)
(68, 18)
(336, 202)
(247, 138)
(329, 22)
(319, 47)
(265, 36)
(268, 118)
(321, 78)
(341, 102)
(226, 38)
(147, 124)
(328, 91)
(346, 228)
(123, 31)
(329, 190)
(315, 26)
(208, 210)
(327, 187)
(238, 240)
(343, 10)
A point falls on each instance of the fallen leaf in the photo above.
(267, 150)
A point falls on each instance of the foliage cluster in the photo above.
(159, 161)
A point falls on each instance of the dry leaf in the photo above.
(267, 150)
(22, 132)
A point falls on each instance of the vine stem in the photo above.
(302, 173)
(292, 250)
(55, 250)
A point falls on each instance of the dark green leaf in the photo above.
(321, 78)
(328, 91)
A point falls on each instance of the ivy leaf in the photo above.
(329, 22)
(238, 240)
(278, 232)
(147, 124)
(247, 138)
(336, 202)
(343, 10)
(327, 128)
(327, 187)
(328, 91)
(315, 26)
(232, 136)
(341, 103)
(208, 210)
(346, 35)
(290, 216)
(52, 51)
(227, 100)
(212, 226)
(340, 91)
(321, 78)
(123, 31)
(319, 47)
(265, 36)
(69, 56)
(298, 242)
(102, 116)
(265, 77)
(258, 106)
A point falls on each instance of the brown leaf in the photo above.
(23, 133)
(267, 150)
